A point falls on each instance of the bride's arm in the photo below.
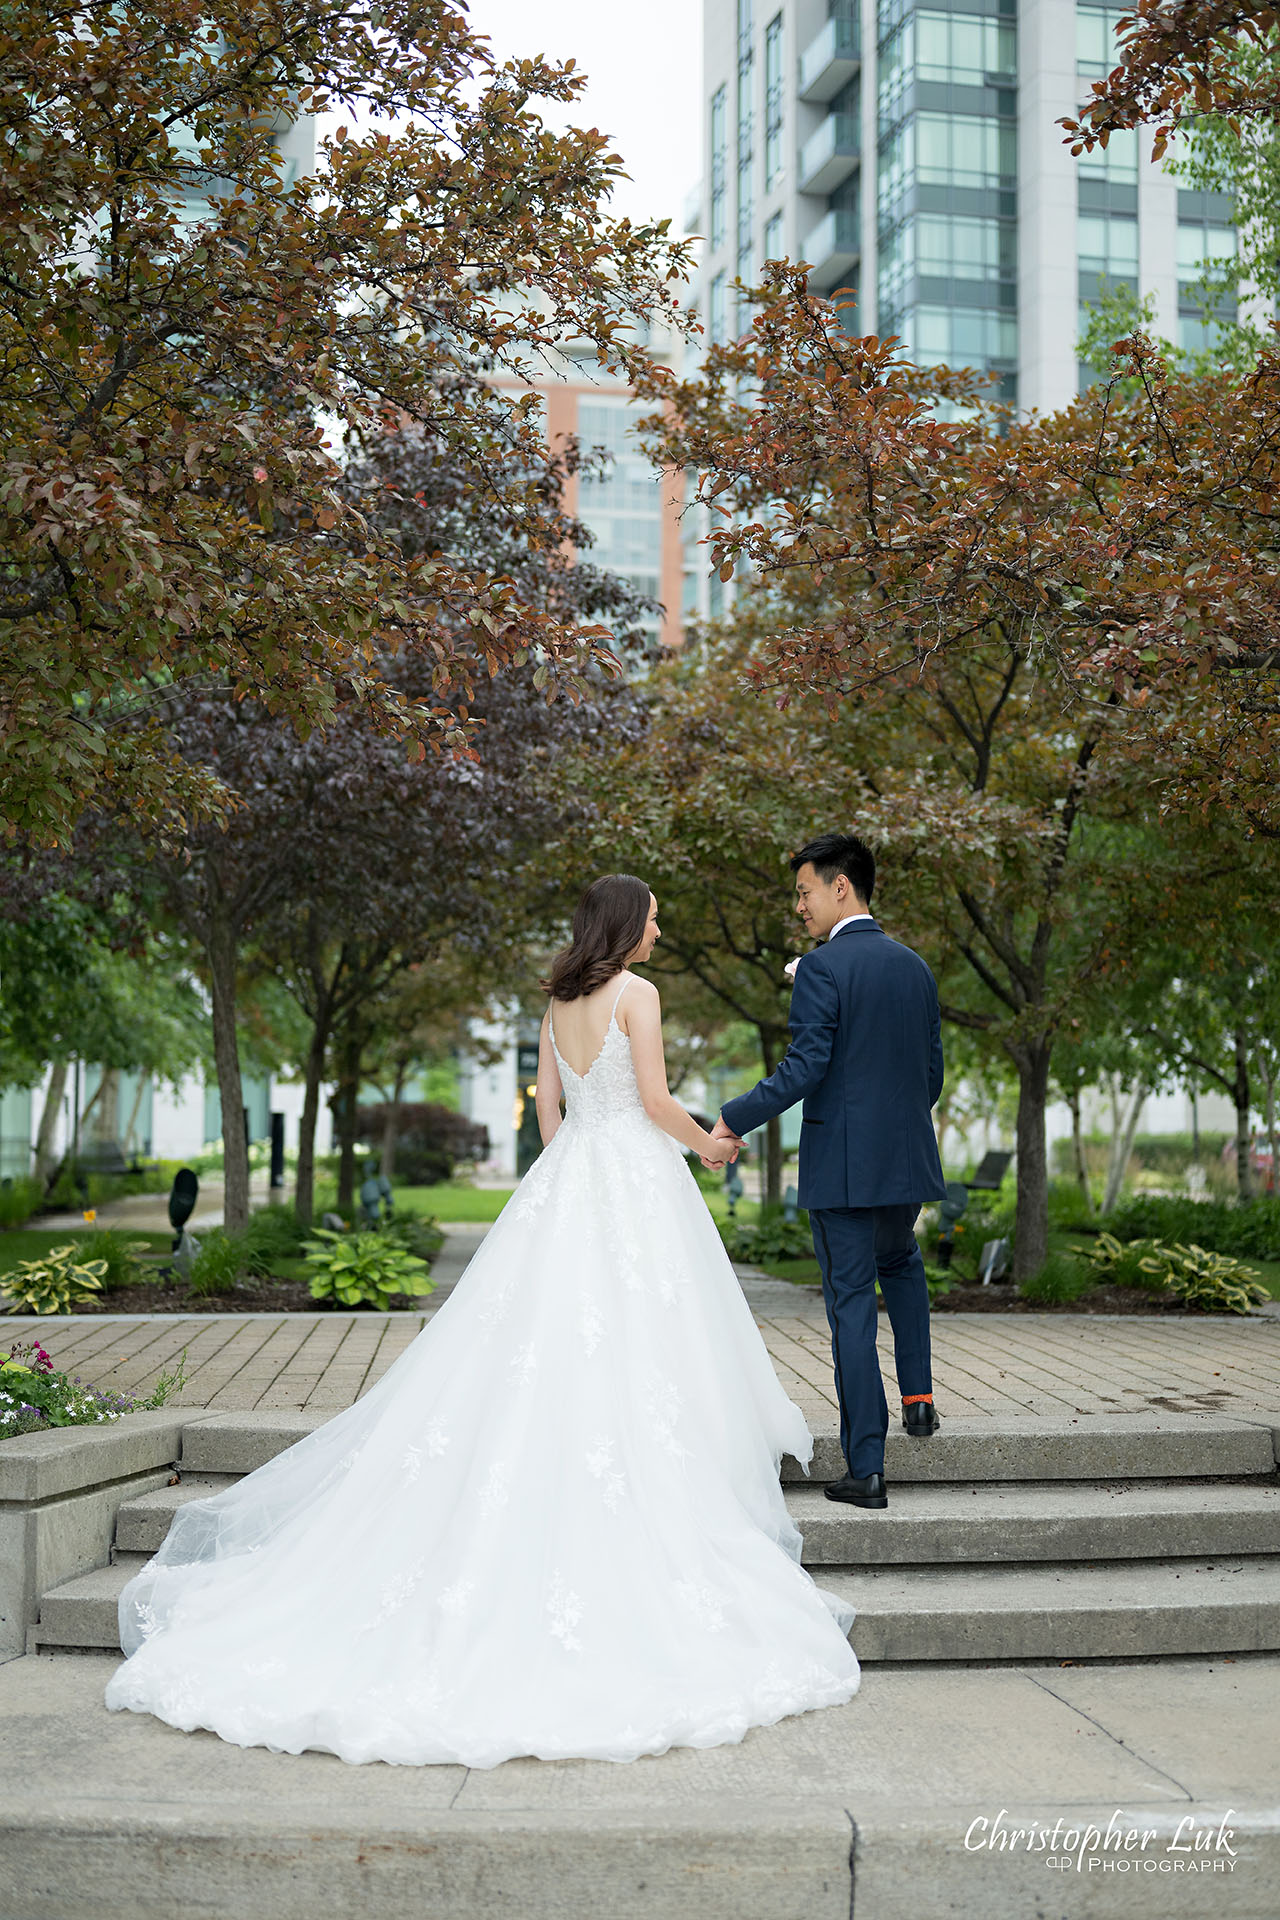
(641, 1020)
(547, 1099)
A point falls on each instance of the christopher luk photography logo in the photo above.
(1119, 1847)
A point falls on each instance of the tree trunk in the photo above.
(771, 1185)
(226, 1056)
(346, 1096)
(1078, 1153)
(127, 1133)
(304, 1195)
(391, 1126)
(1122, 1133)
(1269, 1082)
(1031, 1222)
(46, 1158)
(1241, 1094)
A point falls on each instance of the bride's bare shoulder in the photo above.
(641, 996)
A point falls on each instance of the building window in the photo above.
(950, 49)
(773, 103)
(958, 336)
(948, 150)
(1108, 245)
(1204, 249)
(1117, 162)
(773, 237)
(719, 166)
(622, 505)
(717, 309)
(1097, 51)
(745, 253)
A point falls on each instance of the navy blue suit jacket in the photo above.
(866, 1059)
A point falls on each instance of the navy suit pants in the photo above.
(855, 1247)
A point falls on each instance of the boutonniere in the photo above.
(790, 968)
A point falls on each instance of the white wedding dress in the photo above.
(553, 1527)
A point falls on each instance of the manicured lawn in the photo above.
(454, 1202)
(28, 1243)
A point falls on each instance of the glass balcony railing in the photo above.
(832, 249)
(830, 59)
(830, 155)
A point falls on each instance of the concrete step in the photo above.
(1102, 1610)
(143, 1522)
(1134, 1446)
(1044, 1521)
(1030, 1611)
(82, 1612)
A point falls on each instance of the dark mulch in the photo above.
(1002, 1298)
(251, 1296)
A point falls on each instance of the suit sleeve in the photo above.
(935, 1053)
(815, 1006)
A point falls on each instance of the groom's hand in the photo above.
(731, 1141)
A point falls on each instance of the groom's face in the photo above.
(820, 903)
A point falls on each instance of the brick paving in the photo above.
(984, 1364)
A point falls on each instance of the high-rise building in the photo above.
(912, 153)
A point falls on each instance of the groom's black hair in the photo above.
(833, 853)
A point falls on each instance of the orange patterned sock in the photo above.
(913, 1399)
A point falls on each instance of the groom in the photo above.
(866, 1059)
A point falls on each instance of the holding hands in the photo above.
(727, 1146)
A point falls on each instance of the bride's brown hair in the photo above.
(608, 924)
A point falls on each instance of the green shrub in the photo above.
(1216, 1225)
(1210, 1282)
(219, 1263)
(417, 1233)
(120, 1257)
(273, 1234)
(1120, 1263)
(19, 1199)
(939, 1280)
(1196, 1277)
(53, 1283)
(363, 1269)
(1069, 1210)
(1061, 1278)
(775, 1238)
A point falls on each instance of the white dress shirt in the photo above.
(850, 919)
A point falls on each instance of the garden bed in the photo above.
(250, 1296)
(972, 1297)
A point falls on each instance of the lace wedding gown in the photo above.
(553, 1527)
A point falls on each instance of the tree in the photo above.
(705, 804)
(927, 582)
(1177, 61)
(178, 319)
(1126, 543)
(82, 981)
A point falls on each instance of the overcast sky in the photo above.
(644, 68)
(643, 65)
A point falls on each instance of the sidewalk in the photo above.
(983, 1363)
(897, 1806)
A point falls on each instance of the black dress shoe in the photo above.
(867, 1492)
(920, 1419)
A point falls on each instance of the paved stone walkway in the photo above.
(983, 1363)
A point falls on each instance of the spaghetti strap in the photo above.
(626, 982)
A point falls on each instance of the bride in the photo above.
(554, 1526)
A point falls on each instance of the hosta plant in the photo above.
(53, 1283)
(362, 1269)
(1195, 1276)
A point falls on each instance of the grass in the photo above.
(28, 1243)
(449, 1202)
